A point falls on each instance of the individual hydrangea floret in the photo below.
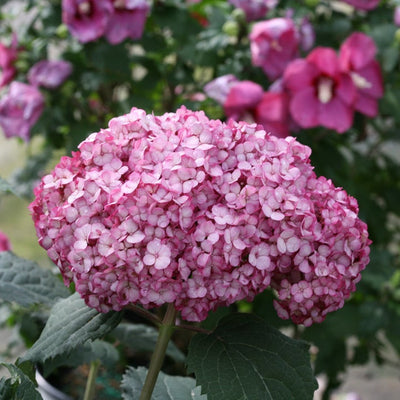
(185, 210)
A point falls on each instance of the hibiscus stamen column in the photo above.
(165, 332)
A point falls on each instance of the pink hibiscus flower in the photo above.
(254, 9)
(272, 112)
(320, 93)
(363, 4)
(87, 20)
(357, 57)
(127, 20)
(49, 74)
(8, 54)
(273, 44)
(242, 99)
(4, 242)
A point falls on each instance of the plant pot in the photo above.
(48, 391)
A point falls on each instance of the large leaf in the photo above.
(71, 324)
(167, 387)
(18, 386)
(143, 338)
(84, 354)
(245, 358)
(26, 283)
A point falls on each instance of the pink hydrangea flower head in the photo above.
(363, 4)
(320, 93)
(8, 55)
(274, 43)
(272, 112)
(242, 100)
(20, 108)
(49, 74)
(4, 242)
(218, 89)
(254, 9)
(357, 57)
(185, 210)
(127, 20)
(87, 20)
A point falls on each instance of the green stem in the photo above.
(166, 329)
(91, 381)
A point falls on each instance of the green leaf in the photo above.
(167, 387)
(71, 324)
(6, 187)
(84, 354)
(19, 386)
(143, 338)
(245, 358)
(26, 283)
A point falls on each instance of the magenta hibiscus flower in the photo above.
(320, 93)
(357, 56)
(274, 43)
(242, 100)
(272, 112)
(127, 20)
(254, 9)
(4, 242)
(87, 20)
(8, 54)
(363, 4)
(218, 89)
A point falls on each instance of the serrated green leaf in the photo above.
(84, 354)
(167, 387)
(245, 358)
(19, 386)
(141, 337)
(25, 283)
(71, 324)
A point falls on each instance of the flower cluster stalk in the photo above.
(165, 332)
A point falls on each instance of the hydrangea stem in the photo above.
(165, 331)
(91, 381)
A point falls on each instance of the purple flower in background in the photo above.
(4, 242)
(397, 16)
(274, 43)
(127, 20)
(363, 4)
(87, 20)
(307, 35)
(254, 9)
(49, 74)
(219, 88)
(242, 100)
(8, 54)
(20, 108)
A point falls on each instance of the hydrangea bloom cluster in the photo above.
(195, 212)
